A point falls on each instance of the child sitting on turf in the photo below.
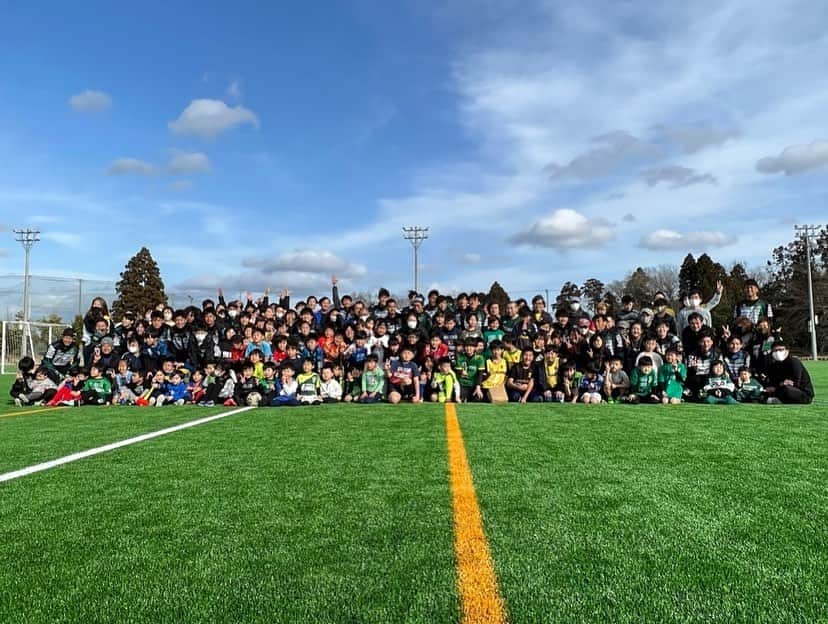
(41, 389)
(195, 387)
(373, 381)
(286, 389)
(97, 389)
(330, 390)
(23, 378)
(568, 383)
(671, 377)
(643, 383)
(592, 384)
(308, 382)
(469, 368)
(68, 393)
(719, 388)
(246, 388)
(352, 388)
(444, 384)
(616, 380)
(748, 389)
(175, 391)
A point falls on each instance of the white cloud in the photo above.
(306, 261)
(796, 159)
(672, 240)
(565, 229)
(67, 239)
(234, 90)
(207, 119)
(471, 258)
(676, 176)
(297, 281)
(90, 101)
(189, 162)
(132, 166)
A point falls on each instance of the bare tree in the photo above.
(665, 277)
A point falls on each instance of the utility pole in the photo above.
(27, 238)
(416, 235)
(807, 231)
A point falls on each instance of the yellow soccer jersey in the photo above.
(511, 357)
(496, 373)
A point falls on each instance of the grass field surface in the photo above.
(344, 513)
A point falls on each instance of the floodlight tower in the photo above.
(27, 238)
(807, 232)
(416, 235)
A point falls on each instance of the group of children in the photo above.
(436, 349)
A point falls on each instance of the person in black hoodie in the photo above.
(788, 379)
(202, 349)
(180, 337)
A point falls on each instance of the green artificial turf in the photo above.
(342, 513)
(327, 515)
(649, 514)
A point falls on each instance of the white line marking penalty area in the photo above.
(16, 474)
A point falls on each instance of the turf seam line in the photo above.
(477, 584)
(22, 472)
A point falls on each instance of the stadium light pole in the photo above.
(807, 232)
(27, 238)
(416, 235)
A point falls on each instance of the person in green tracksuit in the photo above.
(373, 381)
(671, 377)
(643, 383)
(97, 389)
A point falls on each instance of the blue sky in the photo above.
(251, 146)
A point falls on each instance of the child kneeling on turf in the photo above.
(286, 389)
(719, 387)
(616, 380)
(404, 377)
(671, 377)
(643, 383)
(97, 389)
(445, 385)
(373, 381)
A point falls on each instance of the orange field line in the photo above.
(37, 410)
(476, 579)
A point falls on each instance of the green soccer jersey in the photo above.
(671, 380)
(308, 384)
(749, 391)
(473, 366)
(642, 384)
(100, 385)
(373, 381)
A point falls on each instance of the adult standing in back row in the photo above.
(693, 303)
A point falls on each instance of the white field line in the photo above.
(16, 474)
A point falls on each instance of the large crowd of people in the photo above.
(435, 348)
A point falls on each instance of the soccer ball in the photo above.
(253, 399)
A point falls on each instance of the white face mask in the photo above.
(200, 336)
(694, 301)
(583, 330)
(661, 308)
(134, 350)
(574, 306)
(780, 355)
(232, 313)
(280, 315)
(412, 324)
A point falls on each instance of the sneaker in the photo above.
(230, 403)
(180, 402)
(18, 403)
(209, 403)
(23, 399)
(773, 401)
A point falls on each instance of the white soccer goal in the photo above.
(19, 339)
